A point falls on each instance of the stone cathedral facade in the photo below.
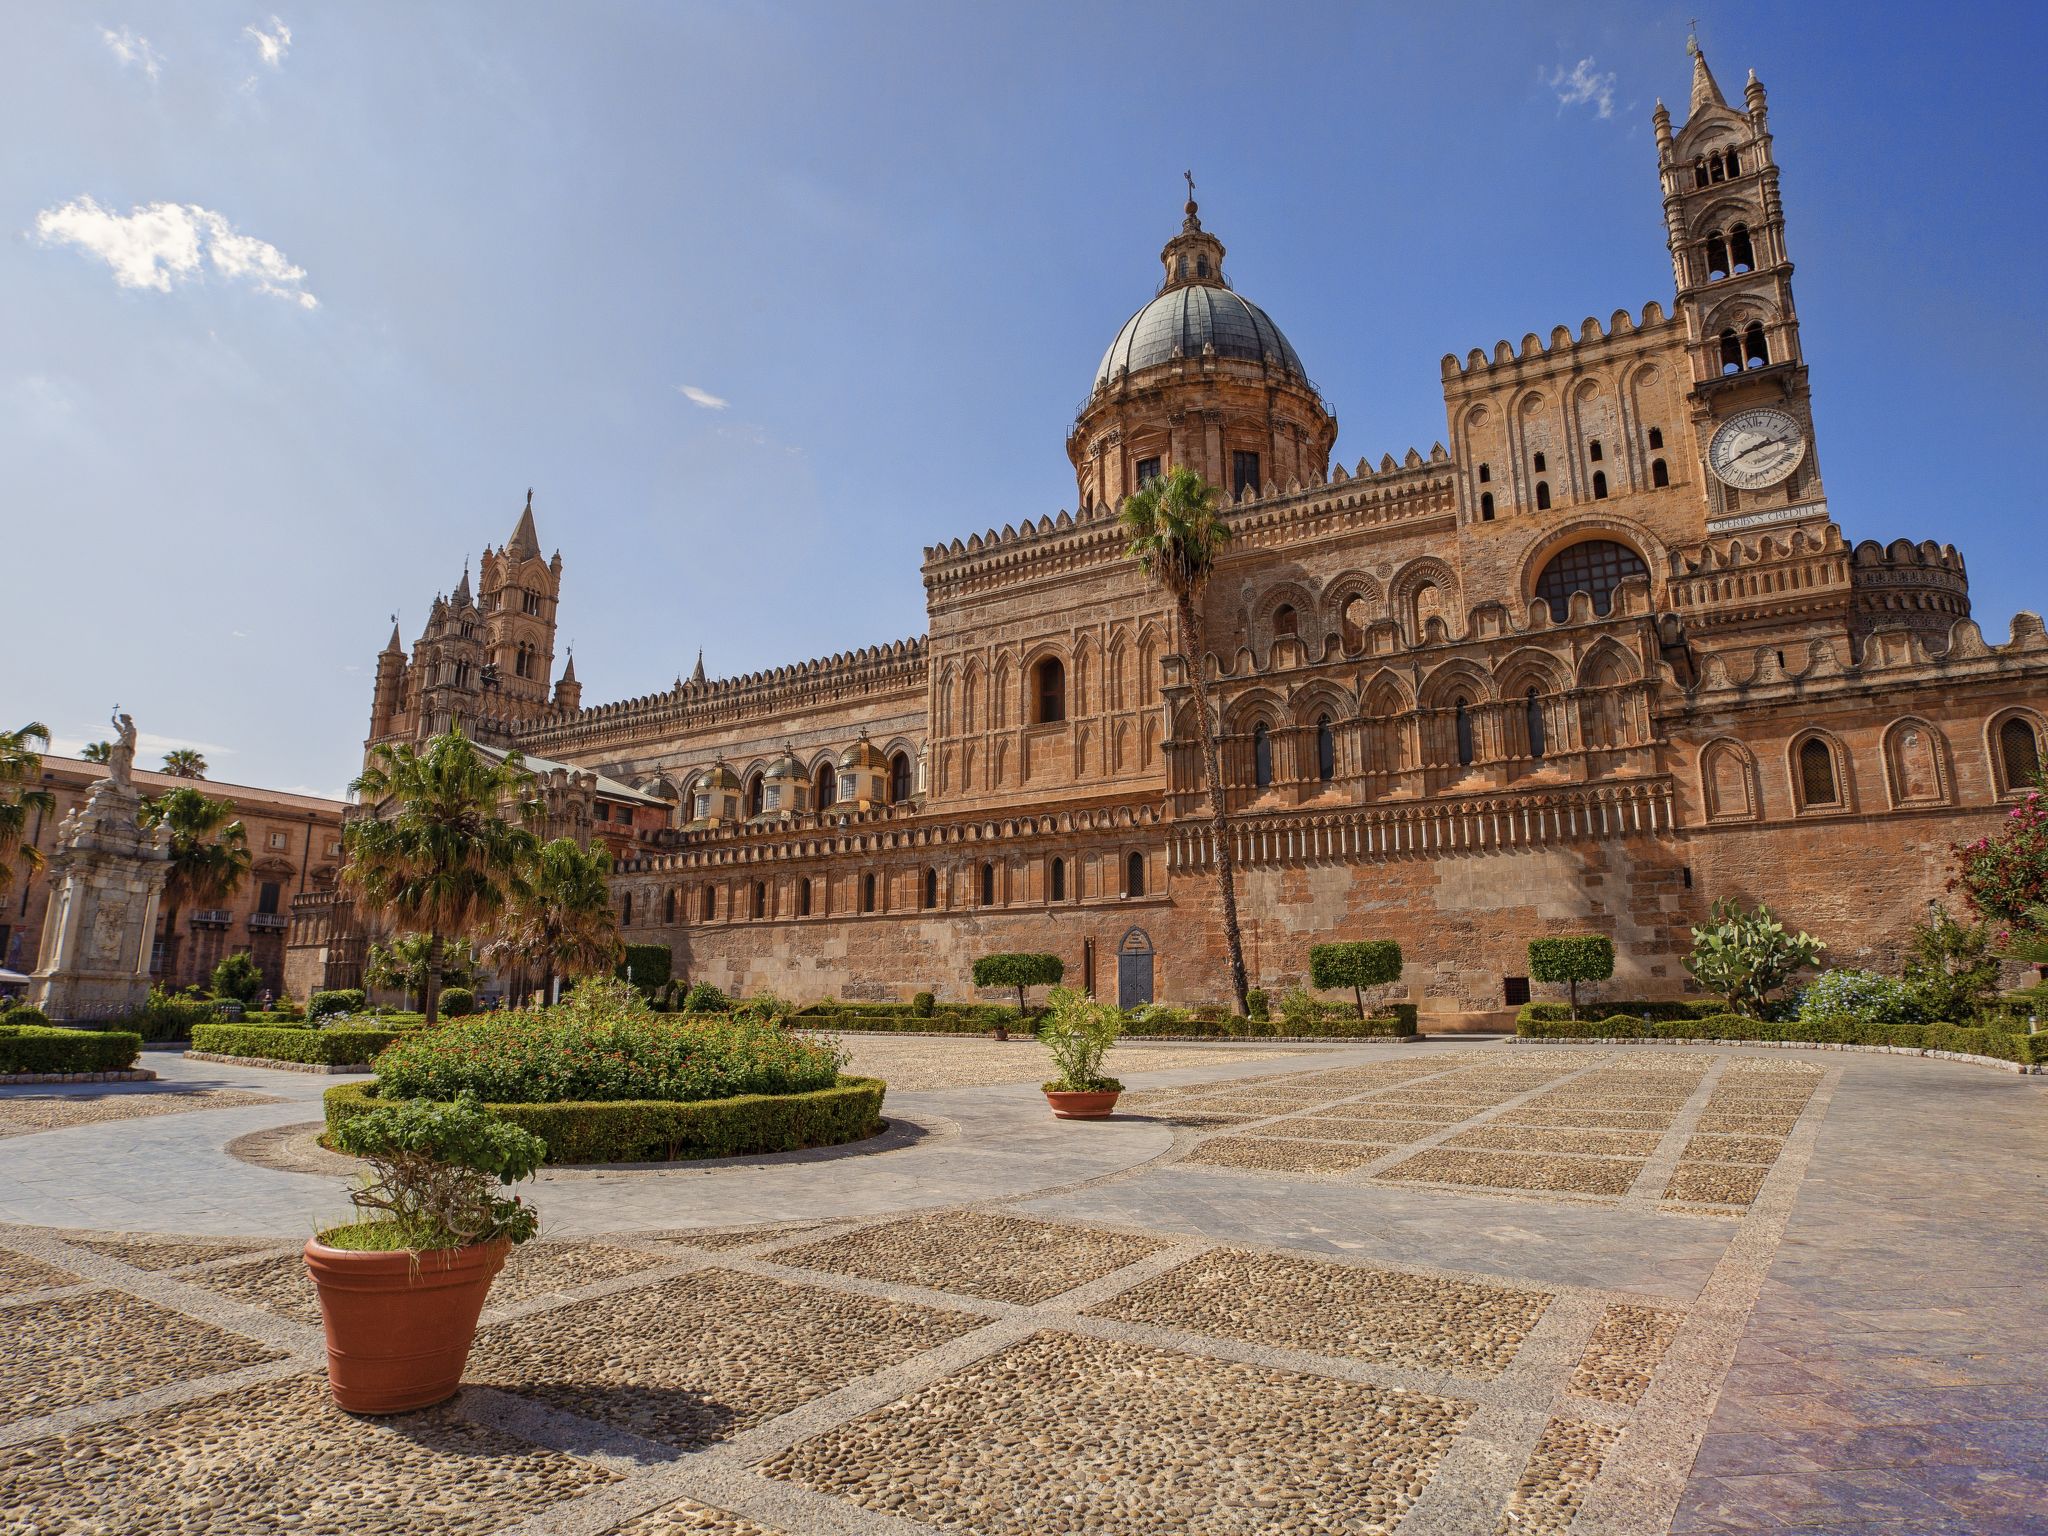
(1601, 656)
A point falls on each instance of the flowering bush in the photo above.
(602, 1043)
(2005, 876)
(1861, 995)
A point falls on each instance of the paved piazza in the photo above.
(1449, 1289)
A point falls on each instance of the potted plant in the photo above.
(401, 1289)
(1079, 1032)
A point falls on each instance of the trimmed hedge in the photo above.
(34, 1048)
(655, 1130)
(339, 1000)
(2027, 1050)
(342, 1046)
(1547, 1013)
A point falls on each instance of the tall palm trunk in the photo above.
(433, 976)
(1212, 770)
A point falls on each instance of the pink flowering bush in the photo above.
(2005, 876)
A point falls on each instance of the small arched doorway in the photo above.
(1134, 969)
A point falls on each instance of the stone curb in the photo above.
(356, 1069)
(130, 1075)
(2027, 1069)
(1020, 1037)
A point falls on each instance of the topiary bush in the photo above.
(457, 1002)
(25, 1017)
(337, 1000)
(923, 1005)
(1571, 958)
(1255, 1004)
(1019, 970)
(705, 998)
(37, 1048)
(1358, 964)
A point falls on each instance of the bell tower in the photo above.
(1725, 227)
(519, 591)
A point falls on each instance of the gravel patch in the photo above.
(279, 1456)
(700, 1358)
(1504, 1170)
(1567, 1458)
(1363, 1127)
(29, 1114)
(1746, 1124)
(1587, 1119)
(158, 1254)
(277, 1284)
(1715, 1183)
(921, 1065)
(83, 1349)
(1623, 1353)
(1440, 1115)
(1322, 1307)
(747, 1237)
(683, 1518)
(1715, 1148)
(1538, 1138)
(1058, 1433)
(1372, 1133)
(1245, 1104)
(19, 1273)
(1264, 1154)
(998, 1258)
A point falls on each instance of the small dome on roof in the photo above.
(718, 776)
(863, 754)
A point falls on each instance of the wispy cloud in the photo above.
(149, 747)
(132, 49)
(272, 44)
(1583, 85)
(703, 397)
(163, 244)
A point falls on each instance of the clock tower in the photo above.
(1725, 226)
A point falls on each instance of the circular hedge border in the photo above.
(663, 1130)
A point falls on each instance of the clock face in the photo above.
(1753, 449)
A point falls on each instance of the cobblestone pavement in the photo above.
(1449, 1290)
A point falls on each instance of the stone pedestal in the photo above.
(106, 881)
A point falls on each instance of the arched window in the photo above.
(760, 898)
(1660, 472)
(754, 793)
(1756, 353)
(1717, 169)
(1056, 881)
(825, 787)
(988, 885)
(1051, 690)
(1597, 566)
(1817, 774)
(1485, 473)
(1717, 256)
(1285, 621)
(803, 897)
(1538, 464)
(626, 911)
(867, 892)
(1731, 352)
(1542, 495)
(1734, 163)
(2019, 753)
(1599, 485)
(1326, 750)
(1699, 172)
(710, 904)
(1486, 506)
(931, 889)
(1533, 704)
(668, 907)
(1134, 875)
(1656, 437)
(899, 778)
(1593, 450)
(1262, 755)
(1201, 266)
(1740, 251)
(1464, 723)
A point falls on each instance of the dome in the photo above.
(864, 754)
(1190, 318)
(717, 776)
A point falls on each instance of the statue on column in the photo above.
(121, 754)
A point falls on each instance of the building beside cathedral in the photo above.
(1599, 657)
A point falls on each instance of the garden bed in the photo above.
(1995, 1047)
(346, 1049)
(661, 1130)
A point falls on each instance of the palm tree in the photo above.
(96, 752)
(562, 923)
(404, 962)
(436, 850)
(184, 763)
(20, 764)
(209, 855)
(1176, 534)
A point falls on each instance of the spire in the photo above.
(392, 647)
(525, 543)
(1705, 93)
(569, 669)
(697, 675)
(462, 597)
(1194, 257)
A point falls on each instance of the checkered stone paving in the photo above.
(166, 1253)
(1624, 1353)
(1267, 1154)
(94, 1345)
(974, 1253)
(1518, 1171)
(1553, 1485)
(19, 1273)
(686, 1517)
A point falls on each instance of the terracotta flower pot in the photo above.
(399, 1325)
(1082, 1106)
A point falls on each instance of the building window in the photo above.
(1514, 990)
(1056, 881)
(1534, 705)
(1599, 485)
(867, 892)
(268, 897)
(1542, 495)
(1717, 256)
(1148, 471)
(710, 904)
(803, 897)
(626, 910)
(462, 674)
(1326, 750)
(1244, 472)
(1593, 450)
(668, 908)
(1740, 252)
(760, 898)
(2019, 753)
(1262, 755)
(988, 885)
(1817, 774)
(757, 796)
(1464, 726)
(1485, 474)
(1051, 690)
(899, 778)
(1660, 472)
(931, 889)
(1201, 266)
(703, 811)
(532, 603)
(1134, 875)
(1486, 506)
(1538, 463)
(1656, 437)
(1756, 353)
(825, 787)
(1597, 566)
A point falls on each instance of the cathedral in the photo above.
(1595, 660)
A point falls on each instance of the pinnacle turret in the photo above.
(1705, 93)
(525, 542)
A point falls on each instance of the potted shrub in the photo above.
(1079, 1032)
(401, 1289)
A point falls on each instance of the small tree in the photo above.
(404, 962)
(1019, 971)
(236, 978)
(1951, 970)
(2004, 876)
(1357, 965)
(21, 766)
(559, 919)
(1570, 959)
(209, 856)
(1746, 956)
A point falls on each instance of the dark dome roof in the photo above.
(1188, 319)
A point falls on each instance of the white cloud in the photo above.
(131, 49)
(1583, 85)
(703, 397)
(162, 244)
(149, 747)
(271, 45)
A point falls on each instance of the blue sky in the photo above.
(418, 259)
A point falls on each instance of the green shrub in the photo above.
(923, 1005)
(1019, 971)
(705, 998)
(1079, 1032)
(339, 1000)
(1570, 959)
(2001, 1044)
(1862, 995)
(28, 1047)
(1357, 965)
(651, 966)
(341, 1046)
(237, 978)
(25, 1017)
(648, 1131)
(1255, 1004)
(1745, 957)
(167, 1015)
(435, 1173)
(1952, 970)
(457, 1002)
(1635, 1008)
